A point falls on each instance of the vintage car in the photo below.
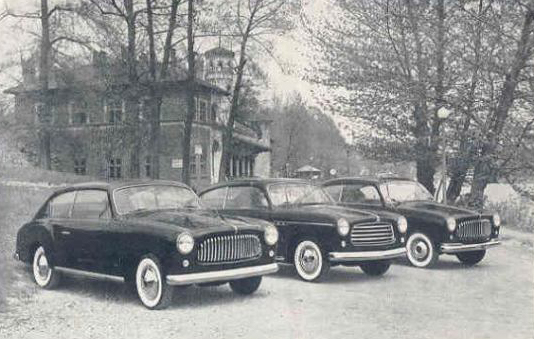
(434, 228)
(314, 233)
(153, 234)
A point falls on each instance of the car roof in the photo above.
(255, 182)
(368, 180)
(117, 184)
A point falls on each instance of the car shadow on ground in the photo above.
(336, 275)
(122, 293)
(444, 263)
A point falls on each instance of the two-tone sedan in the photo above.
(434, 228)
(152, 234)
(314, 233)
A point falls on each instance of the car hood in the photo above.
(434, 209)
(335, 212)
(197, 222)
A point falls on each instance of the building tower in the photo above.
(219, 67)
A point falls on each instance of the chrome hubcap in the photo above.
(419, 250)
(309, 260)
(42, 266)
(150, 283)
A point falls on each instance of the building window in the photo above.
(144, 109)
(201, 113)
(115, 110)
(80, 166)
(115, 168)
(148, 166)
(213, 113)
(43, 116)
(193, 165)
(78, 113)
(204, 165)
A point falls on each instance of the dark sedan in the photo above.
(434, 228)
(152, 234)
(314, 233)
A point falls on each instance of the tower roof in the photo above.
(219, 51)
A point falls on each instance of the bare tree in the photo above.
(251, 22)
(190, 96)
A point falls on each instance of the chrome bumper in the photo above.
(458, 247)
(231, 274)
(366, 256)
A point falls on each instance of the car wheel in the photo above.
(43, 273)
(375, 268)
(309, 260)
(471, 258)
(151, 286)
(245, 286)
(421, 250)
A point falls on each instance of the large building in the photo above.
(91, 121)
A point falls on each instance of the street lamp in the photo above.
(443, 114)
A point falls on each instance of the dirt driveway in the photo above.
(492, 300)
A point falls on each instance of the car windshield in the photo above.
(154, 198)
(291, 194)
(404, 190)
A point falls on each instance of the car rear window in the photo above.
(91, 204)
(61, 205)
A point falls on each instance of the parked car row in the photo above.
(159, 234)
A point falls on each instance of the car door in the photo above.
(59, 211)
(93, 232)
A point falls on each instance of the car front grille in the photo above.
(372, 234)
(473, 230)
(229, 248)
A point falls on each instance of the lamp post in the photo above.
(443, 114)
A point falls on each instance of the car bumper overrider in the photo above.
(458, 247)
(231, 274)
(367, 255)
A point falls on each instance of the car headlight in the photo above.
(402, 224)
(496, 219)
(451, 224)
(343, 227)
(271, 235)
(185, 243)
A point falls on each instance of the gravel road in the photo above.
(492, 300)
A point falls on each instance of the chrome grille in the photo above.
(473, 230)
(372, 234)
(229, 248)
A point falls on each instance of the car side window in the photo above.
(214, 199)
(246, 197)
(334, 191)
(61, 205)
(361, 194)
(91, 204)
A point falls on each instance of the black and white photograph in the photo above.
(267, 169)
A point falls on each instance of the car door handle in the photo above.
(65, 232)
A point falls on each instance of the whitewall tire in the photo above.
(421, 250)
(309, 260)
(44, 274)
(150, 284)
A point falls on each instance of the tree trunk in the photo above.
(132, 104)
(465, 157)
(485, 168)
(153, 102)
(44, 68)
(156, 98)
(188, 125)
(229, 130)
(425, 147)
